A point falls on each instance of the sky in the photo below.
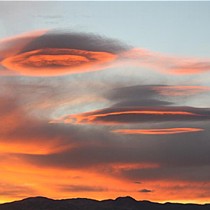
(105, 99)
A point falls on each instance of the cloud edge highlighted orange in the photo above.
(160, 131)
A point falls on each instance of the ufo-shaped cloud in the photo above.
(55, 53)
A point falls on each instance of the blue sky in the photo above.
(170, 27)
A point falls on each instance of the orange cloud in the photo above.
(15, 136)
(191, 67)
(180, 90)
(49, 53)
(67, 182)
(19, 146)
(103, 154)
(92, 117)
(55, 61)
(21, 179)
(13, 45)
(45, 53)
(165, 63)
(122, 166)
(157, 131)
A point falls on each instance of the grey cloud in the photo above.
(132, 115)
(99, 150)
(81, 188)
(74, 40)
(179, 157)
(88, 51)
(18, 125)
(155, 95)
(140, 98)
(146, 102)
(191, 174)
(131, 92)
(164, 151)
(17, 191)
(137, 182)
(145, 191)
(139, 95)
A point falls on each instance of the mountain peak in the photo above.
(37, 198)
(127, 202)
(125, 199)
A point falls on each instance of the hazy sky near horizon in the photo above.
(105, 99)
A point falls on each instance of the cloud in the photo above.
(34, 150)
(88, 147)
(165, 131)
(137, 114)
(191, 174)
(53, 53)
(174, 90)
(137, 182)
(145, 191)
(142, 103)
(139, 95)
(144, 158)
(13, 45)
(166, 63)
(77, 41)
(81, 188)
(153, 91)
(16, 191)
(155, 95)
(89, 150)
(22, 133)
(56, 53)
(191, 68)
(46, 62)
(104, 150)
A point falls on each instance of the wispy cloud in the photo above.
(81, 188)
(17, 191)
(167, 64)
(160, 131)
(175, 90)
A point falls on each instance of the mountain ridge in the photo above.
(120, 203)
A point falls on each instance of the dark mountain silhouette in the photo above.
(121, 203)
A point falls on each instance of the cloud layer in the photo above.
(100, 134)
(55, 53)
(138, 114)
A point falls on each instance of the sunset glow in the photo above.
(105, 99)
(92, 117)
(50, 62)
(161, 131)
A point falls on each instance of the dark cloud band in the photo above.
(138, 114)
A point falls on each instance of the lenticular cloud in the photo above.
(52, 53)
(57, 53)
